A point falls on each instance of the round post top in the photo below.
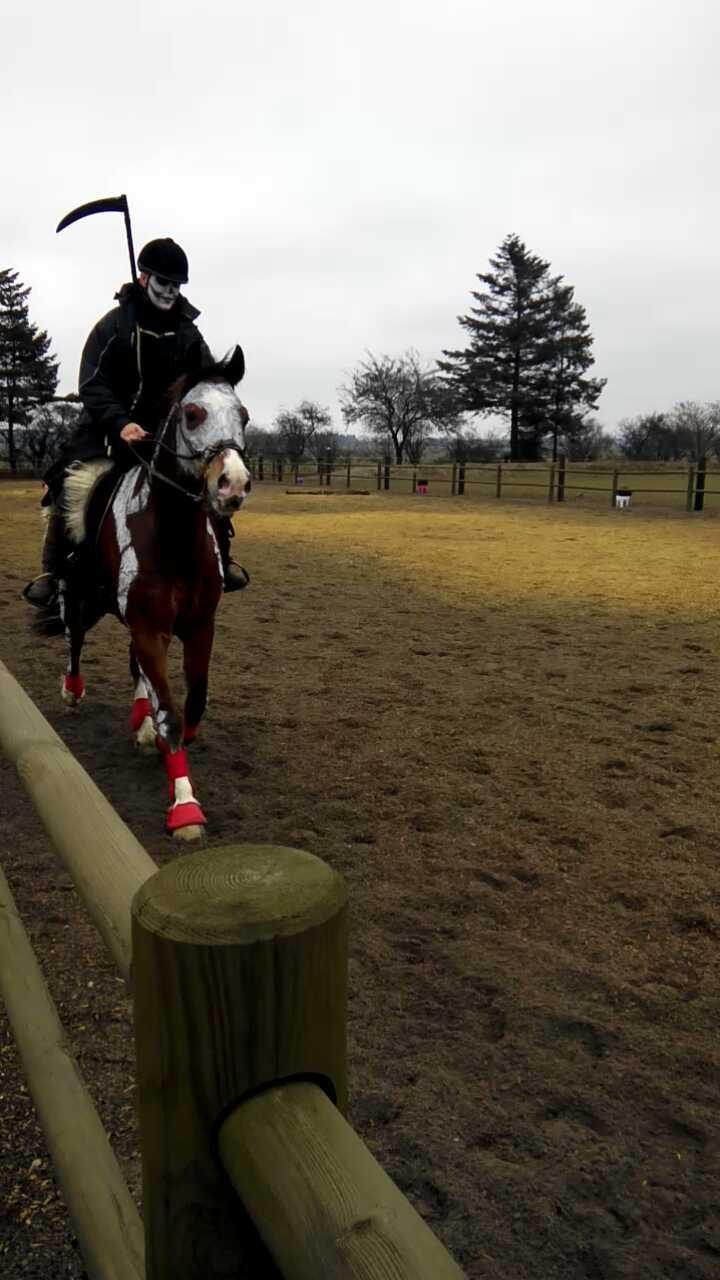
(239, 893)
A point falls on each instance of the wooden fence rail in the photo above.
(555, 480)
(237, 958)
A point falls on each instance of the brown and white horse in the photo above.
(157, 557)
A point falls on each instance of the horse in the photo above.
(155, 564)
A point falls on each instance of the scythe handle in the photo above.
(128, 233)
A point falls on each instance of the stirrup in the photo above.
(47, 594)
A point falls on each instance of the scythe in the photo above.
(112, 204)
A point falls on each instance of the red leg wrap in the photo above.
(176, 765)
(140, 709)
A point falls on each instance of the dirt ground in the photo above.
(499, 722)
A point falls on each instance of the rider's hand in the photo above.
(133, 431)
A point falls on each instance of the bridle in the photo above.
(203, 456)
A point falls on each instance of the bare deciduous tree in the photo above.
(398, 400)
(296, 427)
(697, 427)
(324, 446)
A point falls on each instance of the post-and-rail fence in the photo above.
(236, 958)
(555, 481)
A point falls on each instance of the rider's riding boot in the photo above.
(43, 590)
(235, 576)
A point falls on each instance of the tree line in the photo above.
(526, 363)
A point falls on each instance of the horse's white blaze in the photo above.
(128, 503)
(236, 471)
(223, 421)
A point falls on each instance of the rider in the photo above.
(130, 360)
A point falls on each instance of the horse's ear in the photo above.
(233, 366)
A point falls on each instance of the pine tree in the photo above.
(529, 349)
(565, 395)
(28, 374)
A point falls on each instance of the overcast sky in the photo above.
(338, 175)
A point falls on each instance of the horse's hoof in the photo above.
(145, 738)
(189, 833)
(72, 690)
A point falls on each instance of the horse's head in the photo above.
(210, 433)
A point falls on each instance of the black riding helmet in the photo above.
(164, 258)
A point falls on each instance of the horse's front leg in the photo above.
(197, 646)
(73, 685)
(185, 818)
(141, 712)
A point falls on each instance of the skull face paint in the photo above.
(162, 293)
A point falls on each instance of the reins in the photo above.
(204, 456)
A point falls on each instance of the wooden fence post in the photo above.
(379, 476)
(613, 495)
(386, 481)
(551, 485)
(414, 480)
(461, 480)
(261, 468)
(700, 484)
(240, 975)
(453, 481)
(561, 478)
(280, 469)
(690, 488)
(498, 482)
(349, 473)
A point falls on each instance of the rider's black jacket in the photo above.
(130, 360)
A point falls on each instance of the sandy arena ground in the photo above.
(499, 722)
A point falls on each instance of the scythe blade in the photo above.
(111, 204)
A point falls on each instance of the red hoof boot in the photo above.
(188, 814)
(73, 690)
